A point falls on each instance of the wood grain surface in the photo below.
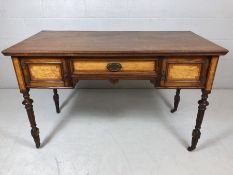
(68, 43)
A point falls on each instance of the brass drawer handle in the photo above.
(114, 67)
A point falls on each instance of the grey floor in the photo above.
(116, 132)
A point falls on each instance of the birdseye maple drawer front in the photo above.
(114, 68)
(184, 72)
(44, 72)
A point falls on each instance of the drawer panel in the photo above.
(44, 72)
(102, 65)
(184, 72)
(181, 72)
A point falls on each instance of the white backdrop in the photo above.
(213, 19)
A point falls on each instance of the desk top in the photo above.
(74, 43)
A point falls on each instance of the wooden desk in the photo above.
(175, 60)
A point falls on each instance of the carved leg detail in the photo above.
(56, 100)
(27, 102)
(203, 103)
(176, 101)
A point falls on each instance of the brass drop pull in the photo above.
(114, 67)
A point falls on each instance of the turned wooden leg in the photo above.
(56, 100)
(203, 103)
(176, 100)
(27, 102)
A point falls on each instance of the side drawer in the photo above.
(184, 72)
(44, 72)
(114, 68)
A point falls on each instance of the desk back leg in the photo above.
(27, 102)
(176, 100)
(56, 100)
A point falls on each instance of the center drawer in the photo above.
(110, 66)
(105, 69)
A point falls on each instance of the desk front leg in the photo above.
(27, 102)
(203, 103)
